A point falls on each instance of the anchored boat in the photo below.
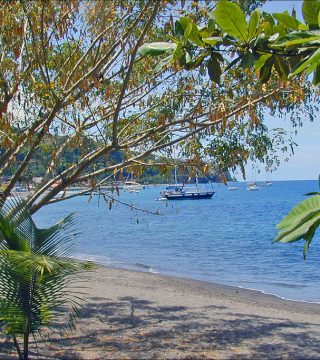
(252, 187)
(177, 192)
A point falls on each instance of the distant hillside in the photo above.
(155, 177)
(152, 174)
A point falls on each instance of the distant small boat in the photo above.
(133, 191)
(128, 185)
(232, 188)
(267, 183)
(131, 185)
(252, 187)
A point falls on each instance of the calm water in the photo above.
(226, 239)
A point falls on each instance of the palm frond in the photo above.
(36, 270)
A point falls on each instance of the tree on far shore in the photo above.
(75, 69)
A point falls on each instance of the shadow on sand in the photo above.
(135, 328)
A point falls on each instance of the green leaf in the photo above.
(262, 60)
(265, 71)
(211, 26)
(184, 21)
(253, 24)
(305, 230)
(212, 40)
(289, 21)
(309, 236)
(310, 12)
(178, 29)
(249, 59)
(196, 62)
(301, 213)
(178, 54)
(214, 69)
(163, 62)
(191, 31)
(233, 62)
(313, 60)
(156, 48)
(195, 36)
(281, 67)
(316, 77)
(187, 31)
(231, 20)
(303, 27)
(311, 67)
(312, 193)
(296, 38)
(267, 28)
(188, 57)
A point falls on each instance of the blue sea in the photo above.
(226, 239)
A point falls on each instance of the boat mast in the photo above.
(175, 175)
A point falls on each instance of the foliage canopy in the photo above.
(81, 71)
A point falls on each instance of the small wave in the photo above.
(278, 296)
(279, 284)
(143, 266)
(289, 286)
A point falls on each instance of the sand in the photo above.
(136, 315)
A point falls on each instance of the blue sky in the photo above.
(305, 163)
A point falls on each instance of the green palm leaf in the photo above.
(35, 272)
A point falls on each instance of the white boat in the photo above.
(267, 183)
(232, 188)
(252, 187)
(133, 191)
(129, 185)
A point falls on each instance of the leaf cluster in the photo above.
(263, 41)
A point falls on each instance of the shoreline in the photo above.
(147, 269)
(230, 290)
(140, 315)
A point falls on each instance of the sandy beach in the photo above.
(136, 315)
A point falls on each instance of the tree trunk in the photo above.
(17, 347)
(26, 345)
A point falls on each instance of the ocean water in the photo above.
(226, 239)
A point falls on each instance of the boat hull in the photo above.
(189, 196)
(253, 188)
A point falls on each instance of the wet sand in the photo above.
(136, 315)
